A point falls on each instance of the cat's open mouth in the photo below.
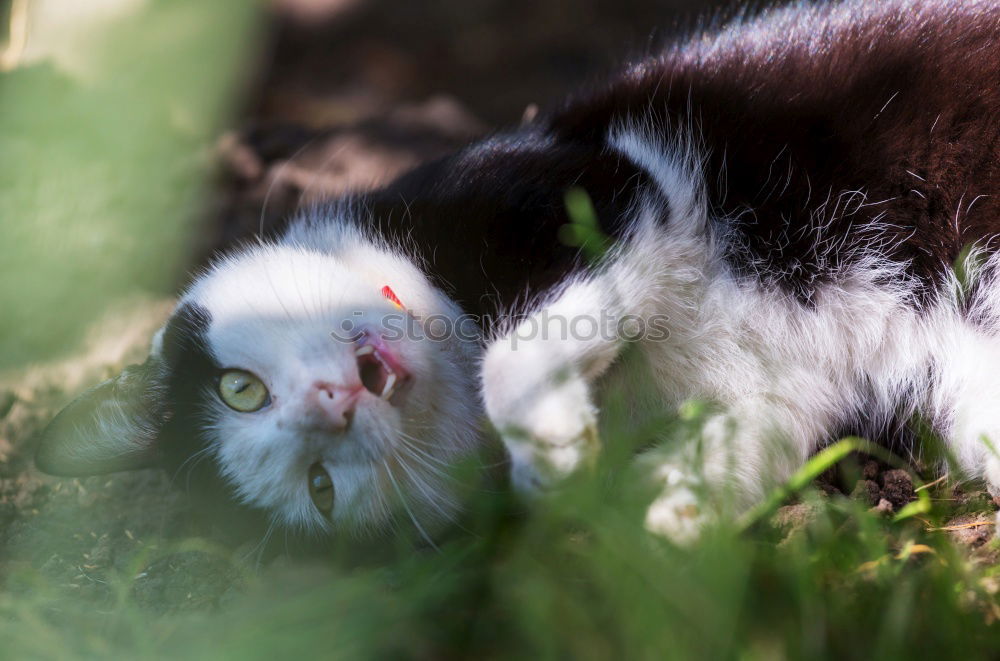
(380, 371)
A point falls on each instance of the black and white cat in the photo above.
(788, 199)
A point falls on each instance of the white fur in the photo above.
(786, 375)
(273, 308)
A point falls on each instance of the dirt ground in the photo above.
(342, 94)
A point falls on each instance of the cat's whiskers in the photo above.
(420, 441)
(429, 496)
(263, 211)
(447, 459)
(414, 444)
(480, 466)
(318, 298)
(197, 458)
(450, 451)
(495, 464)
(320, 170)
(261, 546)
(406, 506)
(274, 181)
(383, 504)
(422, 462)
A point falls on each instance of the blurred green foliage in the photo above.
(104, 149)
(577, 576)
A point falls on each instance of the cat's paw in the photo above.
(678, 513)
(546, 420)
(550, 437)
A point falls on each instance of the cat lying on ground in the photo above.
(781, 208)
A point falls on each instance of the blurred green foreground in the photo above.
(108, 114)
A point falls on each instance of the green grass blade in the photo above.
(812, 469)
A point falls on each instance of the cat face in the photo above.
(305, 376)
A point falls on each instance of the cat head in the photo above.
(322, 378)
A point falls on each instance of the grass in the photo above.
(576, 576)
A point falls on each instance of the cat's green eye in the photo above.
(243, 391)
(320, 488)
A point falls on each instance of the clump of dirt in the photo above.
(897, 487)
(970, 510)
(867, 491)
(868, 480)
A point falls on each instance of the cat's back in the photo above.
(879, 122)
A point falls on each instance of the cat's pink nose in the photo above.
(335, 405)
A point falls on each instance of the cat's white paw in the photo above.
(677, 513)
(549, 424)
(550, 437)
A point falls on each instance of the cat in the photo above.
(783, 209)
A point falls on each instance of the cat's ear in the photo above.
(111, 427)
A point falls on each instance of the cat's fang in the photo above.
(390, 385)
(364, 350)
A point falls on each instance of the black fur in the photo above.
(191, 376)
(487, 219)
(897, 100)
(830, 133)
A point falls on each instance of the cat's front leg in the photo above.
(537, 383)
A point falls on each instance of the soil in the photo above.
(346, 94)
